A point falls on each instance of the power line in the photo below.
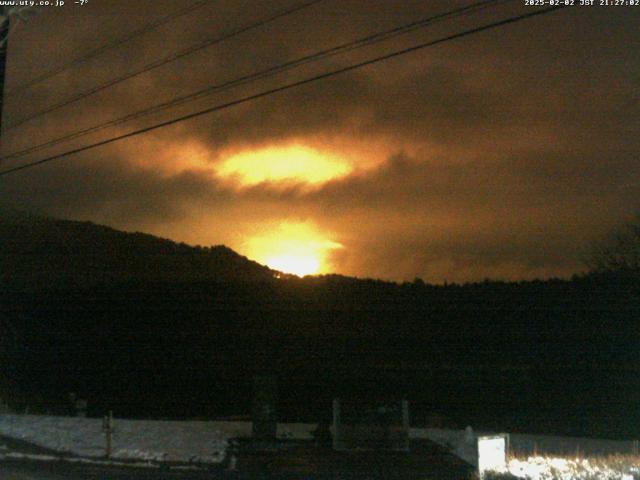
(340, 49)
(108, 46)
(288, 86)
(163, 61)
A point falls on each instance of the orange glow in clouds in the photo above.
(295, 248)
(295, 163)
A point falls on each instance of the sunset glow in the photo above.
(277, 164)
(293, 248)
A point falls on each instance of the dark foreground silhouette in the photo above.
(150, 328)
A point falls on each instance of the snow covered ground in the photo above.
(541, 468)
(562, 458)
(463, 444)
(207, 442)
(174, 441)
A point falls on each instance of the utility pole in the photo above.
(4, 40)
(19, 13)
(4, 34)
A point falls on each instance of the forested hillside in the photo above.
(44, 251)
(148, 327)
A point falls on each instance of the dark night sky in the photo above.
(504, 154)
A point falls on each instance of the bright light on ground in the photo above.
(296, 248)
(298, 265)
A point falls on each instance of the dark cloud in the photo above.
(503, 155)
